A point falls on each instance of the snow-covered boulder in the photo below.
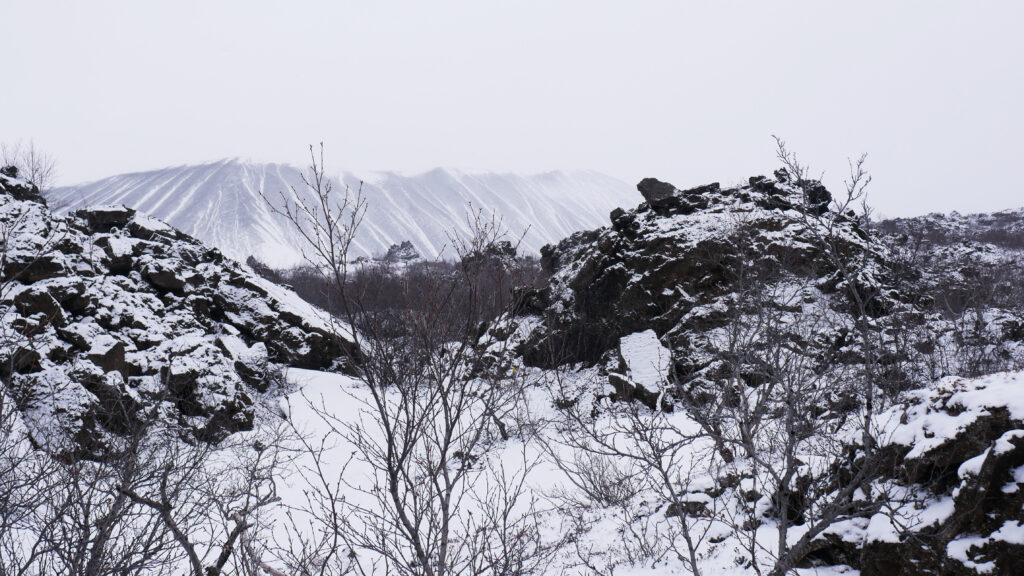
(951, 491)
(640, 370)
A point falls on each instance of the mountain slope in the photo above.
(220, 204)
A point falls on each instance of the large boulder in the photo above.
(17, 188)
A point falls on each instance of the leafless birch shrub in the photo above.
(773, 424)
(781, 429)
(26, 480)
(33, 164)
(212, 500)
(430, 409)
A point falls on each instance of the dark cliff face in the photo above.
(111, 317)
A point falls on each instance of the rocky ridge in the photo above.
(1004, 229)
(676, 263)
(111, 318)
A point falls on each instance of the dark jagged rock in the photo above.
(35, 301)
(671, 263)
(115, 312)
(110, 357)
(106, 218)
(19, 189)
(664, 198)
(818, 198)
(658, 194)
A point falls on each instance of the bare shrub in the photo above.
(32, 163)
(432, 408)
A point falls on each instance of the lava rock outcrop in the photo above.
(672, 263)
(110, 318)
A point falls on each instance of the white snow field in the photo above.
(613, 539)
(220, 204)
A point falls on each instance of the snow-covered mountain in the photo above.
(220, 204)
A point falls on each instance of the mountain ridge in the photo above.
(220, 203)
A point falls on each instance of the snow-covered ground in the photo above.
(633, 537)
(640, 535)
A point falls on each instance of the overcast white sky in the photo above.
(686, 92)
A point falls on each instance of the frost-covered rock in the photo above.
(686, 263)
(108, 314)
(668, 264)
(955, 453)
(640, 370)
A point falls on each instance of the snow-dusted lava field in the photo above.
(746, 380)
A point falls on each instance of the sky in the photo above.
(685, 92)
